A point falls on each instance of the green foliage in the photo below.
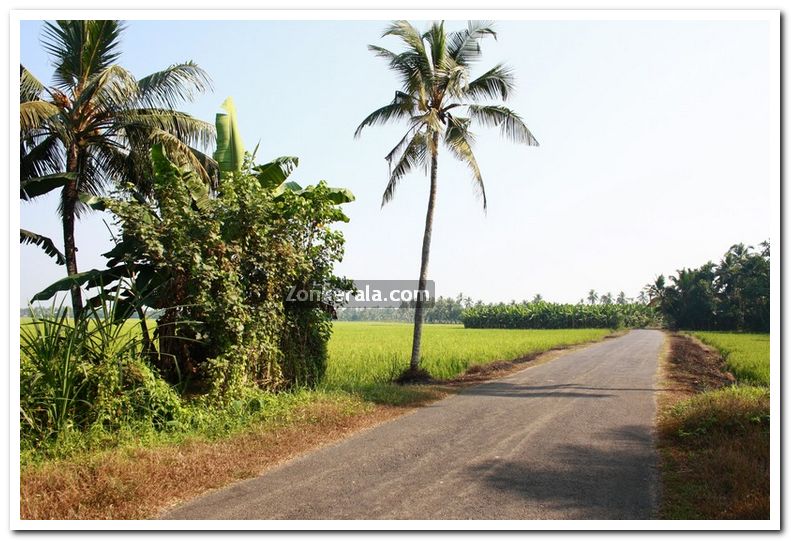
(230, 149)
(731, 410)
(747, 355)
(733, 295)
(219, 270)
(227, 263)
(87, 375)
(544, 315)
(45, 243)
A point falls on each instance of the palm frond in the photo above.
(497, 83)
(182, 154)
(40, 156)
(510, 124)
(416, 59)
(45, 243)
(111, 90)
(33, 115)
(81, 48)
(437, 41)
(399, 148)
(414, 156)
(173, 86)
(464, 46)
(193, 131)
(34, 187)
(30, 88)
(459, 141)
(402, 106)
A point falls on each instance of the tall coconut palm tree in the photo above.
(437, 100)
(97, 122)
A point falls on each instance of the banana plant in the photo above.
(272, 175)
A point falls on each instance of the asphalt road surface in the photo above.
(568, 439)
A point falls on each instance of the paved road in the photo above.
(568, 439)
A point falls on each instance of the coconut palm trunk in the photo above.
(417, 335)
(70, 195)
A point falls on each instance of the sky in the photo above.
(654, 148)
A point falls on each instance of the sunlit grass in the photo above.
(746, 354)
(363, 353)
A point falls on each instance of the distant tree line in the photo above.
(443, 310)
(545, 315)
(731, 295)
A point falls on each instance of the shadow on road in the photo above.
(606, 480)
(570, 390)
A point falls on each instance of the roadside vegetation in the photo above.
(714, 428)
(150, 460)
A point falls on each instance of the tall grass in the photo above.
(87, 375)
(746, 354)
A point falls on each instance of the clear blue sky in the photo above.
(654, 148)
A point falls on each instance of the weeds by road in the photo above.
(713, 436)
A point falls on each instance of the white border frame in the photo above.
(770, 16)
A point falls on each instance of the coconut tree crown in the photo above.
(101, 109)
(96, 124)
(440, 101)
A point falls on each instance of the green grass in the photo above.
(715, 449)
(371, 353)
(747, 355)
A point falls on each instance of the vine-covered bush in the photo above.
(545, 315)
(220, 268)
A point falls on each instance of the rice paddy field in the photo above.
(746, 354)
(365, 353)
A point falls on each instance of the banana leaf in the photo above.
(274, 173)
(230, 149)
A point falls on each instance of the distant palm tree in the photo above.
(98, 122)
(592, 296)
(656, 291)
(437, 99)
(621, 299)
(606, 298)
(537, 298)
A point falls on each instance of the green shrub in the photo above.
(87, 374)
